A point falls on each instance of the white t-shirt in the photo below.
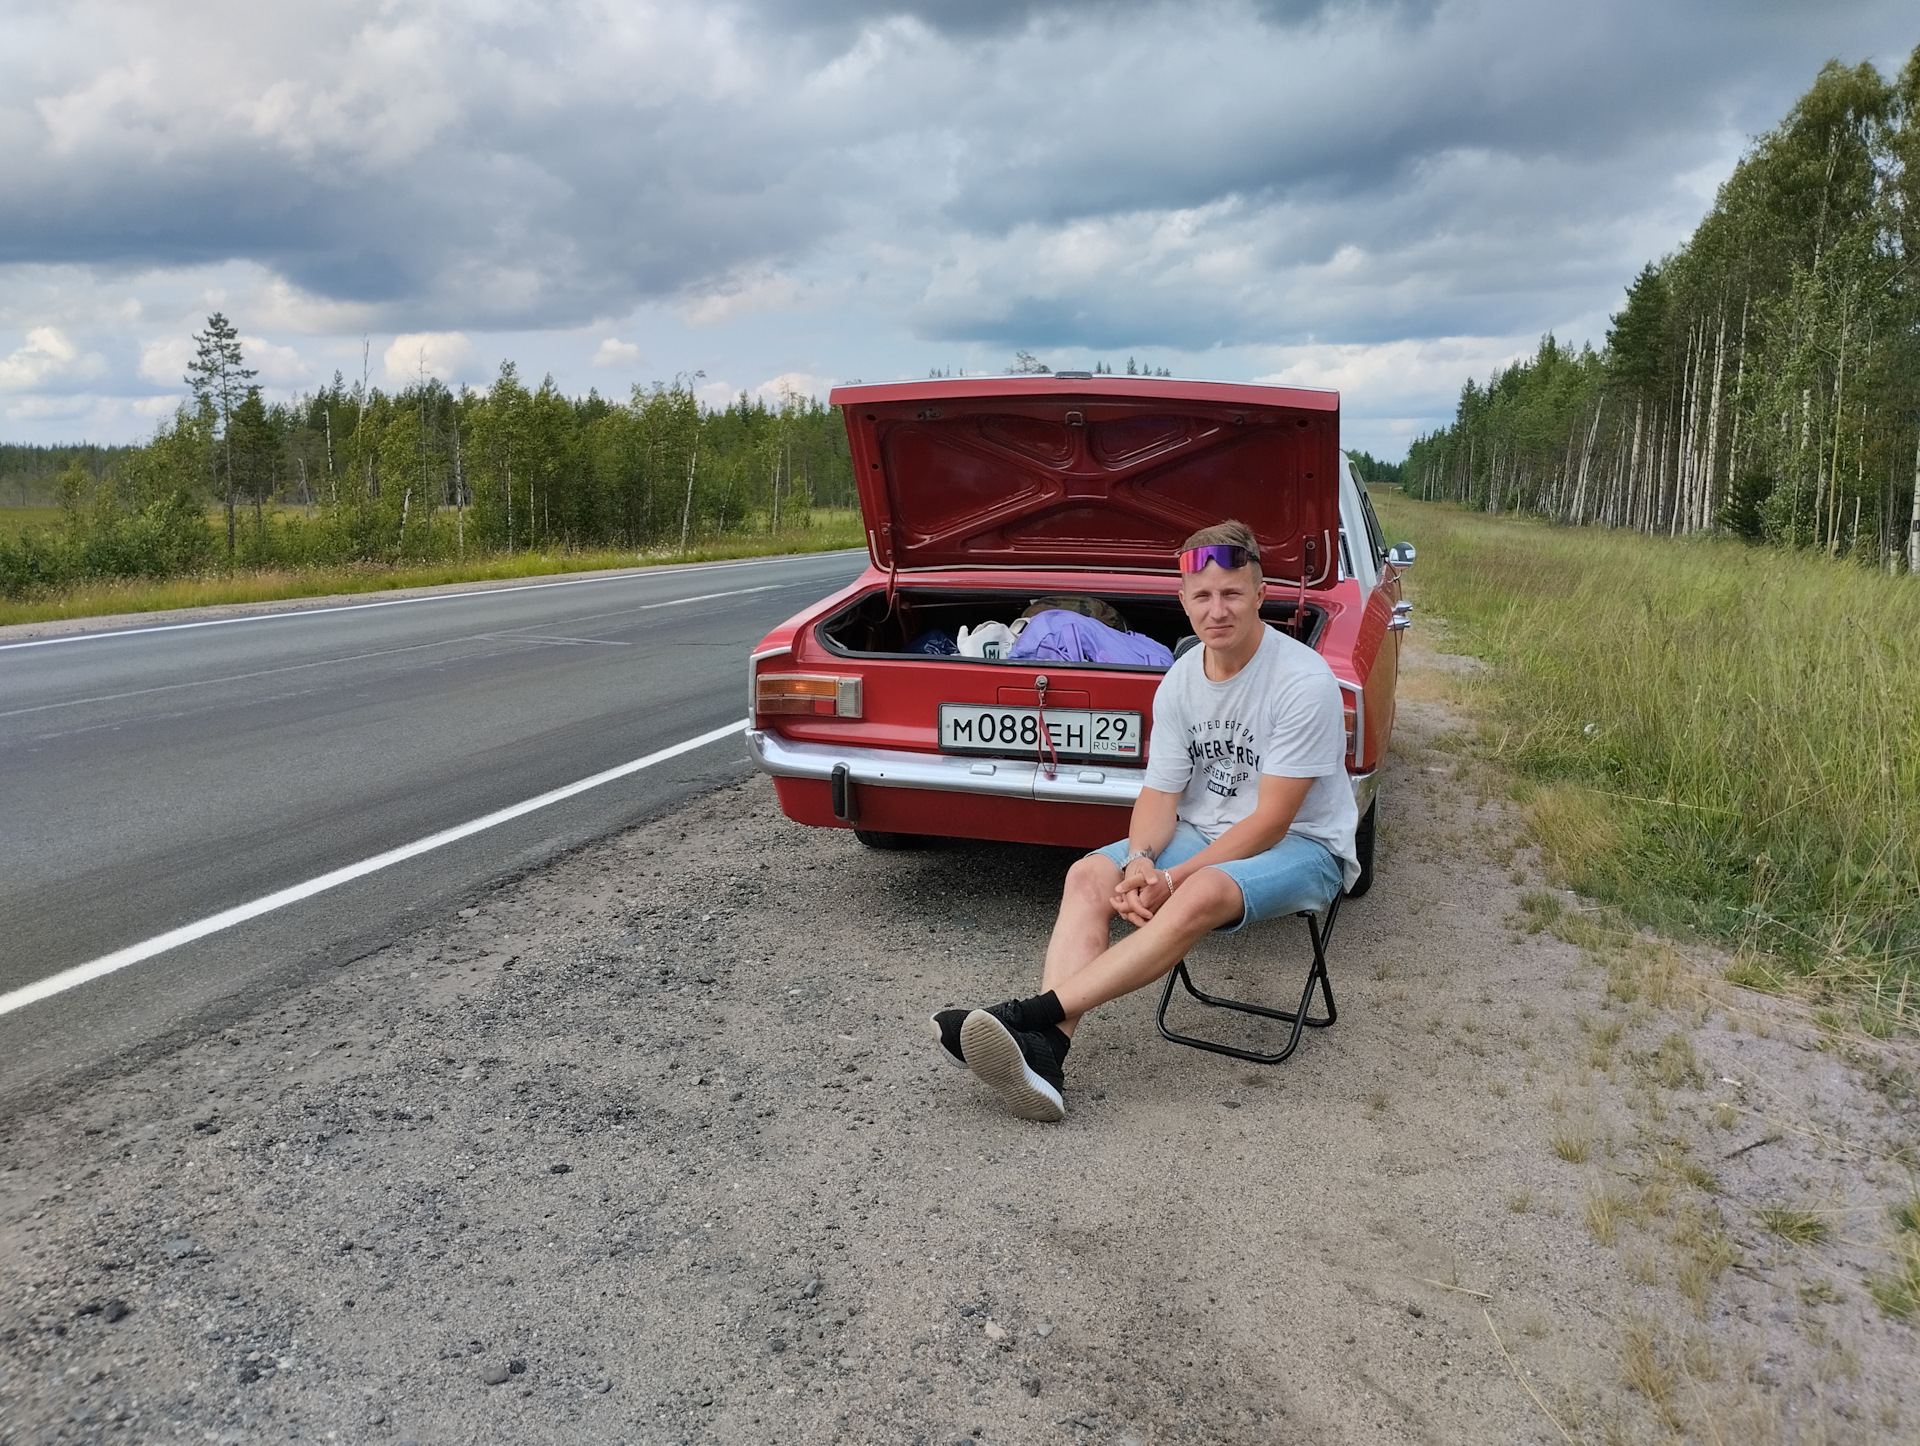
(1278, 715)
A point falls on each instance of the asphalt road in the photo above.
(151, 779)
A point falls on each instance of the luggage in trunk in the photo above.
(869, 628)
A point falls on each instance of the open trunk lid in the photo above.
(1093, 472)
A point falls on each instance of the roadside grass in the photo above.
(247, 585)
(1715, 739)
(1897, 1290)
(16, 520)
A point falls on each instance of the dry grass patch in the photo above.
(1605, 1209)
(1705, 1254)
(1673, 1160)
(1572, 1145)
(1601, 1040)
(1820, 1292)
(1647, 1366)
(1798, 1227)
(1576, 830)
(1673, 1064)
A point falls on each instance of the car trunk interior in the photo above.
(867, 627)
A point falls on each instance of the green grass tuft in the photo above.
(1801, 1227)
(1906, 1214)
(1897, 1291)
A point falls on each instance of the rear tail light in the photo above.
(1353, 714)
(819, 694)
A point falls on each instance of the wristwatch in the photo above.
(1147, 854)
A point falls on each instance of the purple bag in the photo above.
(1057, 636)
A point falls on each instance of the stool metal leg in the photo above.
(1301, 1019)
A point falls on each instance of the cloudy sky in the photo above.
(1383, 196)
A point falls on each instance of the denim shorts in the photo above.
(1293, 875)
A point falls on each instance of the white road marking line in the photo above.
(505, 635)
(568, 642)
(710, 596)
(666, 569)
(187, 933)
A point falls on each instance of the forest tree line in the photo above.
(351, 473)
(1763, 380)
(29, 474)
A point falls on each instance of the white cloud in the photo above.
(442, 354)
(796, 385)
(275, 365)
(165, 361)
(742, 296)
(1389, 374)
(274, 303)
(153, 408)
(48, 356)
(613, 352)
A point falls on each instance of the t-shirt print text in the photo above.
(1226, 750)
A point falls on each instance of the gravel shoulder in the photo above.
(651, 1145)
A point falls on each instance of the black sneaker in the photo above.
(1016, 1014)
(1019, 1065)
(946, 1029)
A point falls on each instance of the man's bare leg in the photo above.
(1202, 904)
(1082, 929)
(1080, 933)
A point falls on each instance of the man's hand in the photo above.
(1143, 889)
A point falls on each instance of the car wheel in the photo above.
(1363, 850)
(874, 839)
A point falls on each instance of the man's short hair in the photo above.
(1230, 533)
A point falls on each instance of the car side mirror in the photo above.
(1401, 555)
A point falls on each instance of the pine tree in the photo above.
(218, 375)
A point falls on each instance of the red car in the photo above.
(985, 499)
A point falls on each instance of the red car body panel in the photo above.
(1107, 472)
(1015, 488)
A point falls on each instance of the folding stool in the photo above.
(1319, 931)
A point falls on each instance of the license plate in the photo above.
(1074, 732)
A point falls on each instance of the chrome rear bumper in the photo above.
(953, 773)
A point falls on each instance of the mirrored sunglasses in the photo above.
(1195, 559)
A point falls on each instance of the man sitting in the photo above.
(1246, 814)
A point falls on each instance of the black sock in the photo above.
(1044, 1011)
(1060, 1040)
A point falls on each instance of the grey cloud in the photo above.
(544, 171)
(972, 19)
(586, 218)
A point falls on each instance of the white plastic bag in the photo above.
(989, 640)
